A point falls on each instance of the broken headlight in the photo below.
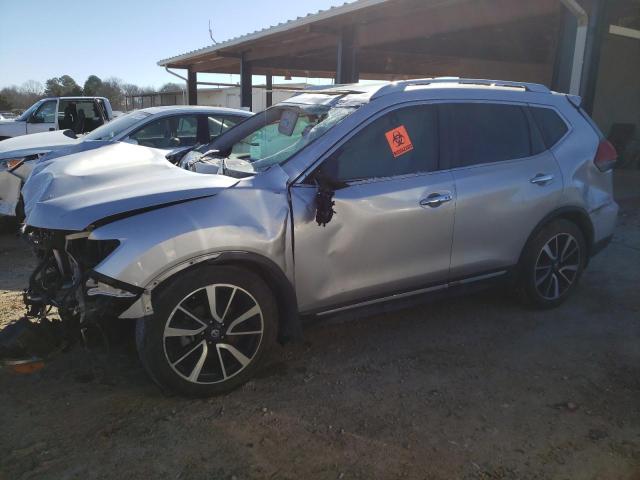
(90, 253)
(11, 163)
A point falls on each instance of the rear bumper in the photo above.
(604, 221)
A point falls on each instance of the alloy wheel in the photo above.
(557, 266)
(213, 333)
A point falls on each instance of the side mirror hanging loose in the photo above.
(324, 205)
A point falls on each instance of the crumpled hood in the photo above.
(77, 190)
(35, 143)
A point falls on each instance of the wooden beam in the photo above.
(450, 18)
(292, 46)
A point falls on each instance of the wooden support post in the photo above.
(269, 89)
(192, 87)
(246, 86)
(347, 61)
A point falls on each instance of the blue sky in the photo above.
(40, 39)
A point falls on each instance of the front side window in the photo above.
(46, 113)
(401, 142)
(478, 133)
(219, 124)
(168, 132)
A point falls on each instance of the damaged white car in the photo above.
(344, 198)
(173, 129)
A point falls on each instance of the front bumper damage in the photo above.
(65, 279)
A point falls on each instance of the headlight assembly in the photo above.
(11, 163)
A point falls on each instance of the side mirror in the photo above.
(176, 155)
(174, 142)
(324, 196)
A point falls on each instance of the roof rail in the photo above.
(400, 86)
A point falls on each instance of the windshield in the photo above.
(282, 131)
(27, 113)
(115, 127)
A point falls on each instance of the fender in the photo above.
(289, 326)
(576, 214)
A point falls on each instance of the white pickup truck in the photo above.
(80, 114)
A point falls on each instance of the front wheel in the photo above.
(210, 330)
(552, 264)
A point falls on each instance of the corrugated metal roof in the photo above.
(279, 28)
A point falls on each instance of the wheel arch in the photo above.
(289, 326)
(576, 215)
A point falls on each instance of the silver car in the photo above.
(350, 197)
(175, 129)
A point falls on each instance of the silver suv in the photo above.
(336, 199)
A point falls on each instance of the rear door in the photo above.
(506, 182)
(393, 222)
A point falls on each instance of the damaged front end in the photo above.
(65, 279)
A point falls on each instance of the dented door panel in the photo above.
(381, 240)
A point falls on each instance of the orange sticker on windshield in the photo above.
(399, 141)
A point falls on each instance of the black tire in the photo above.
(183, 305)
(544, 282)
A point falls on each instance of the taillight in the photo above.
(606, 156)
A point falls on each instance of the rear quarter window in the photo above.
(552, 127)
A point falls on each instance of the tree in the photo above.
(33, 88)
(13, 97)
(130, 89)
(92, 85)
(171, 87)
(112, 88)
(31, 92)
(4, 103)
(63, 86)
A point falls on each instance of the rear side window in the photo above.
(480, 133)
(401, 142)
(551, 126)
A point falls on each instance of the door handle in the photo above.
(436, 199)
(541, 179)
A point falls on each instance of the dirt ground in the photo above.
(475, 388)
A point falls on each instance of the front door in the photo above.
(44, 118)
(393, 222)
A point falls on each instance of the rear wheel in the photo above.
(211, 328)
(552, 264)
